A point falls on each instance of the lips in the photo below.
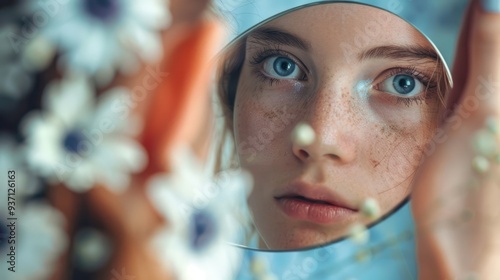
(314, 203)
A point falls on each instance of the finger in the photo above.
(460, 61)
(69, 204)
(178, 106)
(189, 11)
(129, 215)
(484, 61)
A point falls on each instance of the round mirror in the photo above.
(329, 107)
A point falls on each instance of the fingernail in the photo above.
(492, 6)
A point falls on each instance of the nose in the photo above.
(333, 120)
(322, 148)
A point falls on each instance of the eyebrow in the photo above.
(274, 35)
(269, 35)
(399, 52)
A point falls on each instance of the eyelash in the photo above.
(428, 82)
(262, 55)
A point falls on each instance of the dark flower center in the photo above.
(203, 230)
(72, 141)
(104, 10)
(3, 236)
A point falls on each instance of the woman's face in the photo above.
(366, 82)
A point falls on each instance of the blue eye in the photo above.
(281, 67)
(402, 84)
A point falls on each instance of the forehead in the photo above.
(328, 26)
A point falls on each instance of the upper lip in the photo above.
(315, 192)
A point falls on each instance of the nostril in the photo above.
(333, 156)
(303, 154)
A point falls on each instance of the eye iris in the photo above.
(283, 66)
(404, 84)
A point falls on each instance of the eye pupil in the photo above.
(404, 84)
(283, 66)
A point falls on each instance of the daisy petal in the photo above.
(69, 98)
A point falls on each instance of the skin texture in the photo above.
(368, 141)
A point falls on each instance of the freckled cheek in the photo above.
(387, 110)
(247, 120)
(262, 132)
(395, 157)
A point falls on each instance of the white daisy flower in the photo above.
(40, 240)
(79, 143)
(16, 81)
(98, 36)
(202, 217)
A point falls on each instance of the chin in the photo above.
(299, 238)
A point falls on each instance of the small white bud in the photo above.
(38, 54)
(492, 125)
(480, 164)
(485, 143)
(258, 266)
(359, 234)
(363, 256)
(303, 134)
(370, 208)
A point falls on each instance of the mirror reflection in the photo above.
(330, 107)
